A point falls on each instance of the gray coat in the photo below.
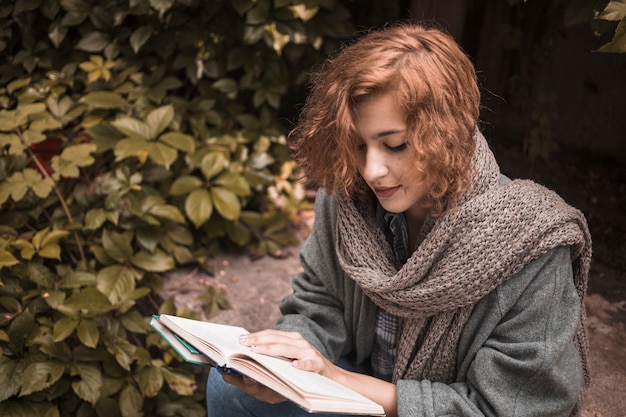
(516, 356)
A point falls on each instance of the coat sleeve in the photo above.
(516, 354)
(326, 306)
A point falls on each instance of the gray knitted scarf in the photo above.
(462, 255)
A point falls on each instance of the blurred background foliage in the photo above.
(136, 136)
(139, 136)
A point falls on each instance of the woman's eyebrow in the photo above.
(390, 132)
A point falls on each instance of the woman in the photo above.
(432, 284)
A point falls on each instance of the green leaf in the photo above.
(162, 154)
(41, 375)
(199, 206)
(104, 100)
(133, 128)
(158, 261)
(179, 383)
(185, 184)
(93, 42)
(134, 322)
(139, 37)
(63, 328)
(226, 202)
(131, 401)
(227, 86)
(235, 183)
(159, 119)
(77, 279)
(88, 334)
(179, 141)
(95, 218)
(117, 245)
(57, 33)
(212, 164)
(90, 384)
(10, 378)
(116, 281)
(124, 352)
(132, 147)
(150, 380)
(7, 259)
(88, 299)
(167, 212)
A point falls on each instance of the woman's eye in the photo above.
(360, 147)
(398, 148)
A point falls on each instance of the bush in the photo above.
(136, 136)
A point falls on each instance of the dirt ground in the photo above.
(597, 186)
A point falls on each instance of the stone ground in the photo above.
(596, 186)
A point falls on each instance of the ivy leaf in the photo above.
(179, 383)
(124, 351)
(131, 401)
(167, 212)
(115, 282)
(212, 164)
(185, 184)
(90, 384)
(132, 147)
(226, 202)
(150, 380)
(104, 100)
(199, 206)
(41, 375)
(235, 183)
(139, 37)
(159, 119)
(57, 33)
(117, 245)
(89, 299)
(133, 128)
(10, 378)
(162, 154)
(93, 42)
(73, 157)
(158, 261)
(63, 328)
(7, 259)
(77, 279)
(228, 86)
(179, 141)
(88, 334)
(95, 218)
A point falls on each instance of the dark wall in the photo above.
(590, 87)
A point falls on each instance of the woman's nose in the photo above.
(374, 165)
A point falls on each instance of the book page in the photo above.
(217, 341)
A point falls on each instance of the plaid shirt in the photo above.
(388, 325)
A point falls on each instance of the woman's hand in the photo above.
(290, 345)
(285, 344)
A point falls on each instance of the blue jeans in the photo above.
(225, 400)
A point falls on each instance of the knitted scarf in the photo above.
(462, 255)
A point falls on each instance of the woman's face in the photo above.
(384, 159)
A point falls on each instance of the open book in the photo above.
(215, 344)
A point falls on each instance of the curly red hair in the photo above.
(437, 87)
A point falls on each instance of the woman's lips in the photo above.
(385, 192)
